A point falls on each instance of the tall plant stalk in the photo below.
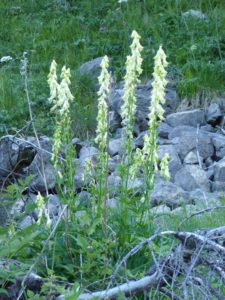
(102, 138)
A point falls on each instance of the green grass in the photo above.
(73, 32)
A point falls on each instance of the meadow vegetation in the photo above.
(73, 32)
(84, 246)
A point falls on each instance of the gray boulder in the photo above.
(41, 168)
(143, 94)
(219, 170)
(112, 203)
(139, 141)
(192, 177)
(167, 193)
(203, 199)
(27, 221)
(114, 182)
(189, 118)
(164, 130)
(213, 114)
(84, 199)
(218, 141)
(88, 152)
(218, 186)
(115, 146)
(174, 162)
(15, 155)
(114, 121)
(91, 68)
(195, 14)
(191, 158)
(135, 185)
(188, 140)
(53, 205)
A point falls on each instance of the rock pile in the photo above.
(193, 139)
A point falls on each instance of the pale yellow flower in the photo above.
(102, 117)
(133, 71)
(164, 166)
(40, 206)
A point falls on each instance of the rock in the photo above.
(208, 161)
(17, 208)
(186, 140)
(53, 205)
(167, 193)
(78, 144)
(37, 182)
(114, 181)
(208, 128)
(115, 146)
(139, 141)
(214, 114)
(189, 118)
(88, 152)
(161, 141)
(174, 162)
(135, 185)
(40, 165)
(113, 163)
(191, 158)
(28, 221)
(91, 68)
(204, 199)
(15, 155)
(160, 210)
(164, 130)
(114, 120)
(178, 131)
(112, 203)
(84, 199)
(219, 170)
(195, 14)
(79, 180)
(218, 186)
(210, 173)
(80, 214)
(219, 144)
(192, 177)
(4, 215)
(143, 94)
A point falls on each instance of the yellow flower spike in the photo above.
(133, 71)
(40, 206)
(164, 166)
(52, 81)
(102, 117)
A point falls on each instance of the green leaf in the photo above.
(82, 242)
(3, 292)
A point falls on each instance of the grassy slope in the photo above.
(85, 29)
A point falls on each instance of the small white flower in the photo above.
(122, 1)
(5, 59)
